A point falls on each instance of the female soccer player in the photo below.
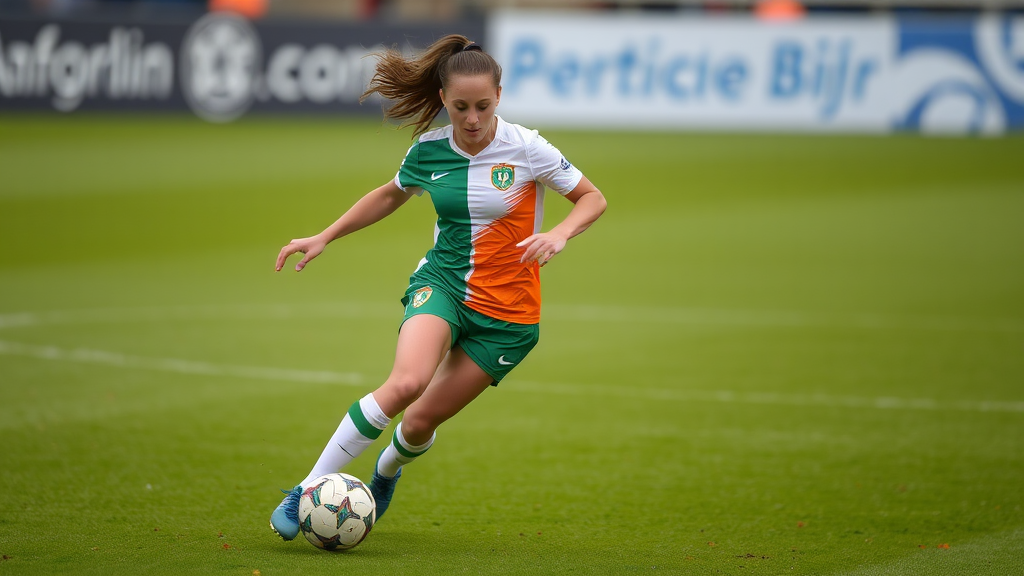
(472, 308)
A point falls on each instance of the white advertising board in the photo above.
(865, 74)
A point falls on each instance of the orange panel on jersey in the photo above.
(501, 287)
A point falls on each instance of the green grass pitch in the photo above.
(775, 354)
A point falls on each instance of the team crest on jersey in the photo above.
(420, 297)
(503, 176)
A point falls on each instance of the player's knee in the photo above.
(417, 427)
(405, 388)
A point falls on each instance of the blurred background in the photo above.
(951, 66)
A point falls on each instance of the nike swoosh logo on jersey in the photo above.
(501, 360)
(436, 176)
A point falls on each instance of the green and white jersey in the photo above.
(486, 204)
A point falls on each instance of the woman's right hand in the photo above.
(371, 208)
(311, 248)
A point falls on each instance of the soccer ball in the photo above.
(336, 512)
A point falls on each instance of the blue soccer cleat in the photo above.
(285, 519)
(383, 488)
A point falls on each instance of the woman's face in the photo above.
(471, 101)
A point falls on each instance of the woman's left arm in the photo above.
(589, 205)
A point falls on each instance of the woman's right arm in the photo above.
(371, 208)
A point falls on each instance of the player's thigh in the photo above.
(423, 342)
(458, 381)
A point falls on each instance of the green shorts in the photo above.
(495, 345)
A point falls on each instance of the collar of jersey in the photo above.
(463, 153)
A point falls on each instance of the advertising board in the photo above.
(562, 69)
(849, 74)
(220, 66)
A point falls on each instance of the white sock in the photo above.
(400, 453)
(361, 426)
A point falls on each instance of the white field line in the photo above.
(352, 379)
(994, 550)
(729, 397)
(193, 313)
(696, 317)
(176, 365)
(776, 318)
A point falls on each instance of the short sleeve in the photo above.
(551, 168)
(409, 177)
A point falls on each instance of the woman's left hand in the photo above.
(542, 247)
